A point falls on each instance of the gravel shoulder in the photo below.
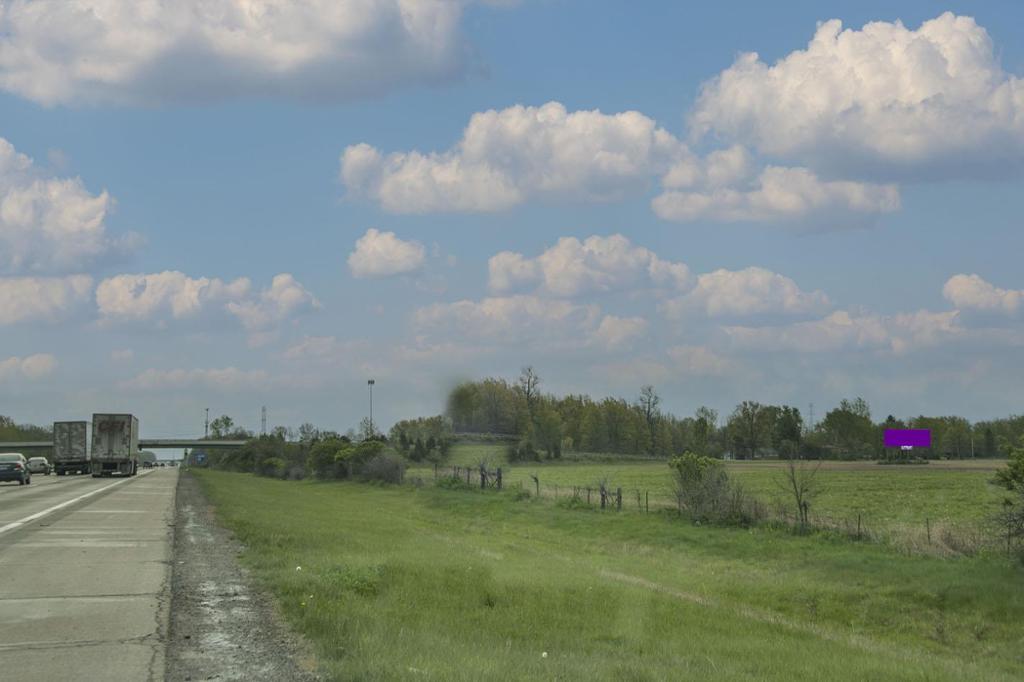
(222, 627)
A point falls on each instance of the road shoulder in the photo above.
(222, 626)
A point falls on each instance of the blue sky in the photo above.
(795, 234)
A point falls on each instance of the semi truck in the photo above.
(70, 448)
(115, 445)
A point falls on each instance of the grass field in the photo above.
(432, 584)
(884, 496)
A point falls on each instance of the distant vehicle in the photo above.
(70, 448)
(115, 445)
(147, 465)
(14, 467)
(39, 465)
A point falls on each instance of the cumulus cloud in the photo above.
(884, 99)
(615, 333)
(162, 294)
(225, 379)
(506, 157)
(775, 194)
(842, 331)
(284, 298)
(51, 224)
(751, 291)
(597, 264)
(510, 319)
(31, 367)
(971, 292)
(176, 296)
(148, 52)
(41, 298)
(382, 254)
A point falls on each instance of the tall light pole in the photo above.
(370, 383)
(206, 427)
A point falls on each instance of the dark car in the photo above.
(14, 467)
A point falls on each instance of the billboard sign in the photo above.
(908, 438)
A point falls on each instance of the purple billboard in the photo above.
(908, 438)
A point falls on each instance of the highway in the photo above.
(85, 576)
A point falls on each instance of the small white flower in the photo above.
(298, 568)
(544, 655)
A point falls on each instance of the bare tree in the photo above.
(800, 481)
(648, 403)
(529, 383)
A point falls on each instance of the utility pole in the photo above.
(263, 421)
(206, 427)
(370, 383)
(810, 417)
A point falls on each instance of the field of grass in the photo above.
(884, 496)
(433, 584)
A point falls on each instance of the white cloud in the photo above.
(41, 298)
(776, 194)
(225, 379)
(697, 361)
(31, 367)
(907, 103)
(971, 292)
(149, 52)
(751, 291)
(382, 254)
(597, 264)
(842, 331)
(511, 319)
(168, 293)
(284, 298)
(616, 333)
(506, 157)
(173, 295)
(122, 355)
(50, 224)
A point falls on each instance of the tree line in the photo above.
(543, 426)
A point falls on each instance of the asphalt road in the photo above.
(85, 577)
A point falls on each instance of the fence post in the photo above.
(618, 498)
(467, 475)
(604, 495)
(647, 501)
(858, 526)
(588, 495)
(499, 478)
(639, 507)
(928, 528)
(483, 477)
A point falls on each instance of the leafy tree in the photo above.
(749, 428)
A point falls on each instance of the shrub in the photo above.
(272, 467)
(383, 468)
(455, 483)
(524, 451)
(705, 493)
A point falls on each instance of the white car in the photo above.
(39, 465)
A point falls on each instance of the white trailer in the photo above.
(115, 445)
(70, 448)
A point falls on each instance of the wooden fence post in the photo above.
(647, 500)
(483, 477)
(928, 528)
(604, 495)
(618, 499)
(467, 475)
(499, 478)
(588, 495)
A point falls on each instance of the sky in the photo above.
(230, 204)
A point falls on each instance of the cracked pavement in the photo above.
(86, 587)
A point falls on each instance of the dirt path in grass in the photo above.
(222, 627)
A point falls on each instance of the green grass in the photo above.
(885, 497)
(398, 583)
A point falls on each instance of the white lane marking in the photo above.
(38, 515)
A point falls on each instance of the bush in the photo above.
(383, 468)
(455, 483)
(523, 452)
(705, 493)
(272, 467)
